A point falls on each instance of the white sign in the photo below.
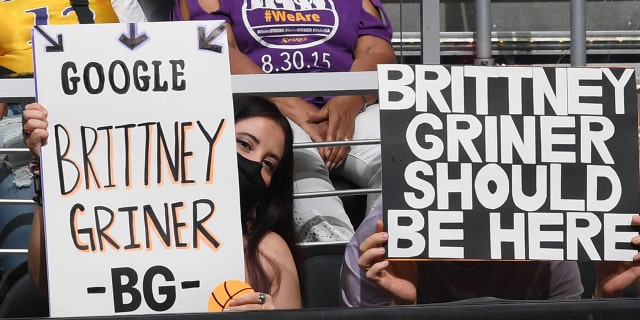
(140, 177)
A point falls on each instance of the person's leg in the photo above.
(15, 221)
(316, 219)
(14, 110)
(16, 183)
(363, 165)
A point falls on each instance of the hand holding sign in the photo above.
(438, 281)
(264, 142)
(501, 163)
(613, 278)
(34, 127)
(252, 301)
(396, 277)
(225, 292)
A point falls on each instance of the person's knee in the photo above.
(308, 162)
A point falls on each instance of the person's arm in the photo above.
(36, 258)
(286, 293)
(565, 281)
(613, 278)
(398, 278)
(294, 108)
(341, 111)
(371, 50)
(35, 135)
(356, 290)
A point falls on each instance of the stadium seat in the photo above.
(354, 205)
(321, 274)
(588, 276)
(19, 296)
(156, 10)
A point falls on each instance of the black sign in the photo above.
(509, 162)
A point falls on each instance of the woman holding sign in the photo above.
(370, 280)
(265, 168)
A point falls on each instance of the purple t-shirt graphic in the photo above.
(293, 36)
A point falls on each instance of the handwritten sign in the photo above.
(509, 162)
(139, 174)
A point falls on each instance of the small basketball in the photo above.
(226, 291)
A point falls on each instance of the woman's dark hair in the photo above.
(275, 210)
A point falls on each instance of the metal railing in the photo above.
(483, 38)
(22, 90)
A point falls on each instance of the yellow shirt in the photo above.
(17, 18)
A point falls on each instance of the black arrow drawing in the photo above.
(205, 41)
(55, 46)
(132, 40)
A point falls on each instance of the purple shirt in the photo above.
(356, 291)
(294, 36)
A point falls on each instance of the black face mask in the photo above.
(252, 186)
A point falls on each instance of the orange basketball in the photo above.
(226, 291)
